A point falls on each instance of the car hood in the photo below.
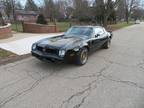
(60, 42)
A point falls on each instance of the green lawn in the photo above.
(4, 53)
(120, 25)
(17, 27)
(63, 26)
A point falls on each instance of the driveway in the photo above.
(112, 78)
(21, 43)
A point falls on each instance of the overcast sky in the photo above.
(39, 2)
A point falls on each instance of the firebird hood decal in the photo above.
(61, 42)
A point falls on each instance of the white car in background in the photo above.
(137, 22)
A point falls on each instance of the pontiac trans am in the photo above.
(74, 45)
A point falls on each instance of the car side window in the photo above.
(99, 31)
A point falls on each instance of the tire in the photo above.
(82, 57)
(107, 44)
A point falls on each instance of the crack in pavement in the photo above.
(130, 83)
(79, 94)
(15, 64)
(23, 92)
(17, 94)
(10, 84)
(113, 62)
(91, 86)
(141, 65)
(88, 76)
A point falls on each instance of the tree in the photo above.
(138, 13)
(7, 7)
(81, 9)
(129, 6)
(41, 19)
(31, 6)
(1, 19)
(49, 9)
(121, 10)
(103, 10)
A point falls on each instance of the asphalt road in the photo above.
(112, 78)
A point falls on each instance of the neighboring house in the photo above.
(26, 16)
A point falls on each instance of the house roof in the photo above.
(23, 12)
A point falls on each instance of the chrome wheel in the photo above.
(84, 56)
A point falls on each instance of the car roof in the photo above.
(89, 26)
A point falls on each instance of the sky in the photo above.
(39, 2)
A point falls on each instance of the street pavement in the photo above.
(112, 78)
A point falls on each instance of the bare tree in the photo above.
(8, 7)
(49, 9)
(130, 5)
(81, 9)
(31, 6)
(121, 11)
(1, 19)
(104, 8)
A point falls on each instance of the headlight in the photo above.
(76, 49)
(33, 46)
(62, 53)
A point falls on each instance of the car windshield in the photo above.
(79, 31)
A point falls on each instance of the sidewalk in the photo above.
(21, 43)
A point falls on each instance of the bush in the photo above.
(41, 19)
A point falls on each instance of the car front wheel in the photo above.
(82, 56)
(107, 44)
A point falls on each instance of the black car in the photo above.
(74, 45)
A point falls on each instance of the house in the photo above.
(26, 16)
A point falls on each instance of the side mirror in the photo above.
(97, 35)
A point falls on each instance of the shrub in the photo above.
(41, 19)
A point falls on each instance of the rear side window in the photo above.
(99, 31)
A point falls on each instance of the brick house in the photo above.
(26, 16)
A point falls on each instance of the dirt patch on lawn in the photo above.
(9, 57)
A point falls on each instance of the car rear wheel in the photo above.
(82, 56)
(107, 44)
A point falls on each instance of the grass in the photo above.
(17, 27)
(120, 25)
(63, 26)
(4, 54)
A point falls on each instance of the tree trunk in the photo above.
(127, 15)
(1, 19)
(105, 22)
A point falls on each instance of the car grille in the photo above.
(47, 50)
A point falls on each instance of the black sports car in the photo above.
(74, 45)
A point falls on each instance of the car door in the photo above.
(102, 37)
(95, 39)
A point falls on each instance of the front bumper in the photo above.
(45, 56)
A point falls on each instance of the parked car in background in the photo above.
(74, 45)
(137, 22)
